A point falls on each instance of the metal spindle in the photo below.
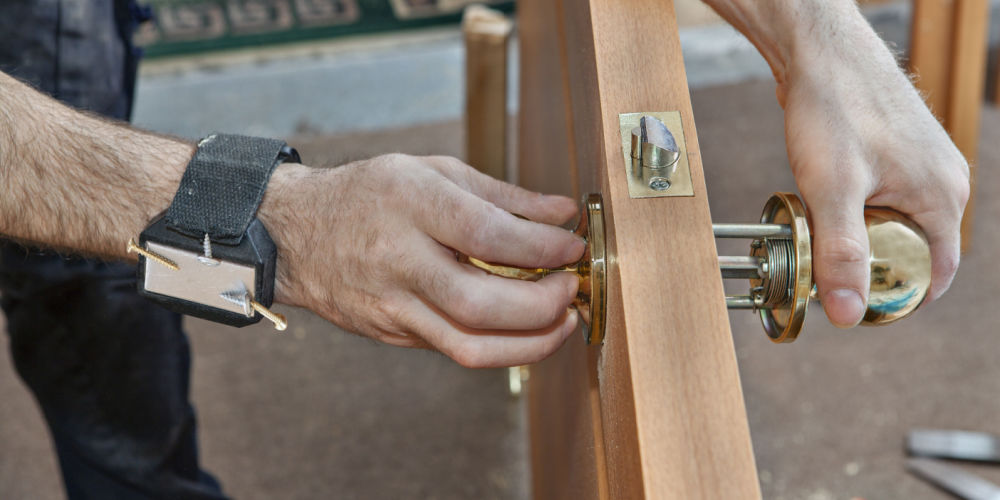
(739, 267)
(752, 231)
(743, 302)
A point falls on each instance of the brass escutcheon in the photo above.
(591, 269)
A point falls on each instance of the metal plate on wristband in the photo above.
(195, 281)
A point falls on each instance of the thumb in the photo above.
(840, 255)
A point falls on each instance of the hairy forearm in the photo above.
(83, 184)
(354, 244)
(796, 36)
(72, 181)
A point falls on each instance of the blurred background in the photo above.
(320, 413)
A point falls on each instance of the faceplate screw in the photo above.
(659, 183)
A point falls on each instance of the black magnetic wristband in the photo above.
(219, 259)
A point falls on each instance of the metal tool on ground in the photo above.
(930, 445)
(780, 272)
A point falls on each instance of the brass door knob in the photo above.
(591, 269)
(779, 266)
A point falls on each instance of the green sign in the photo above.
(186, 26)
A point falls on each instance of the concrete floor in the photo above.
(317, 413)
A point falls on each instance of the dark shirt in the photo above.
(78, 51)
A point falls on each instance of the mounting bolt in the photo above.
(659, 183)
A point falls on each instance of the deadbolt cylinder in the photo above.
(654, 154)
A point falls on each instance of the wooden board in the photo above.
(564, 421)
(486, 34)
(965, 95)
(948, 50)
(930, 51)
(657, 412)
(996, 85)
(543, 130)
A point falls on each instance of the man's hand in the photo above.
(371, 246)
(857, 134)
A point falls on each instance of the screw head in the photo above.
(659, 183)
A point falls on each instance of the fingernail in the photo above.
(844, 307)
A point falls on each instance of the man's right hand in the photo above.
(371, 246)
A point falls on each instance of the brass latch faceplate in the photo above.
(656, 161)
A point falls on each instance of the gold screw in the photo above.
(159, 259)
(241, 297)
(280, 323)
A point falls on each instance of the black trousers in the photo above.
(110, 373)
(108, 369)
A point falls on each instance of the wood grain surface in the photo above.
(564, 406)
(671, 412)
(996, 85)
(930, 51)
(948, 51)
(487, 34)
(965, 99)
(543, 132)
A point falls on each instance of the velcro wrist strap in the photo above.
(223, 186)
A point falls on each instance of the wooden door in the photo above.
(949, 42)
(657, 411)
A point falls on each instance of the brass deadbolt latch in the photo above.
(779, 266)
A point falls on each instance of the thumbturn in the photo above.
(591, 269)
